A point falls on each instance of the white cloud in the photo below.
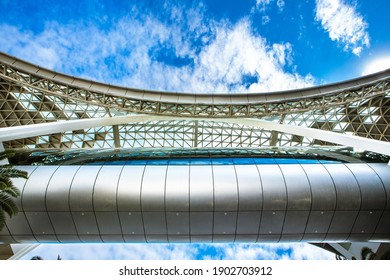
(298, 251)
(263, 5)
(113, 251)
(280, 4)
(270, 251)
(344, 24)
(305, 251)
(216, 56)
(265, 20)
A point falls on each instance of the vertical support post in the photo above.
(195, 141)
(274, 138)
(115, 130)
(275, 134)
(6, 251)
(3, 161)
(354, 250)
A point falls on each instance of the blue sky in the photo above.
(199, 46)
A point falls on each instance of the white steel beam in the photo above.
(353, 141)
(361, 143)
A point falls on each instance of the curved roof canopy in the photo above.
(30, 94)
(191, 104)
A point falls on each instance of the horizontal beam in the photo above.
(361, 143)
(33, 130)
(353, 141)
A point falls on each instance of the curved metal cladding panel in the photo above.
(177, 203)
(202, 203)
(348, 202)
(372, 204)
(250, 203)
(34, 205)
(105, 203)
(58, 206)
(274, 203)
(81, 203)
(18, 228)
(298, 202)
(383, 228)
(153, 203)
(129, 203)
(323, 202)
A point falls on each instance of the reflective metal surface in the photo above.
(203, 203)
(371, 187)
(225, 188)
(323, 192)
(81, 190)
(201, 188)
(177, 188)
(105, 189)
(153, 188)
(34, 192)
(297, 185)
(129, 188)
(250, 193)
(274, 187)
(57, 196)
(348, 195)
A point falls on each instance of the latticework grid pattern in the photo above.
(26, 98)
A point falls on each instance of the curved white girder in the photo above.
(18, 132)
(194, 98)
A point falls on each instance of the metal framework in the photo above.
(32, 95)
(88, 114)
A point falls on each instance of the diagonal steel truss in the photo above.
(30, 95)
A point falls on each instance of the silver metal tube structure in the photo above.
(203, 203)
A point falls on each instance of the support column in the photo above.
(5, 251)
(15, 252)
(357, 250)
(275, 134)
(195, 141)
(3, 161)
(115, 130)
